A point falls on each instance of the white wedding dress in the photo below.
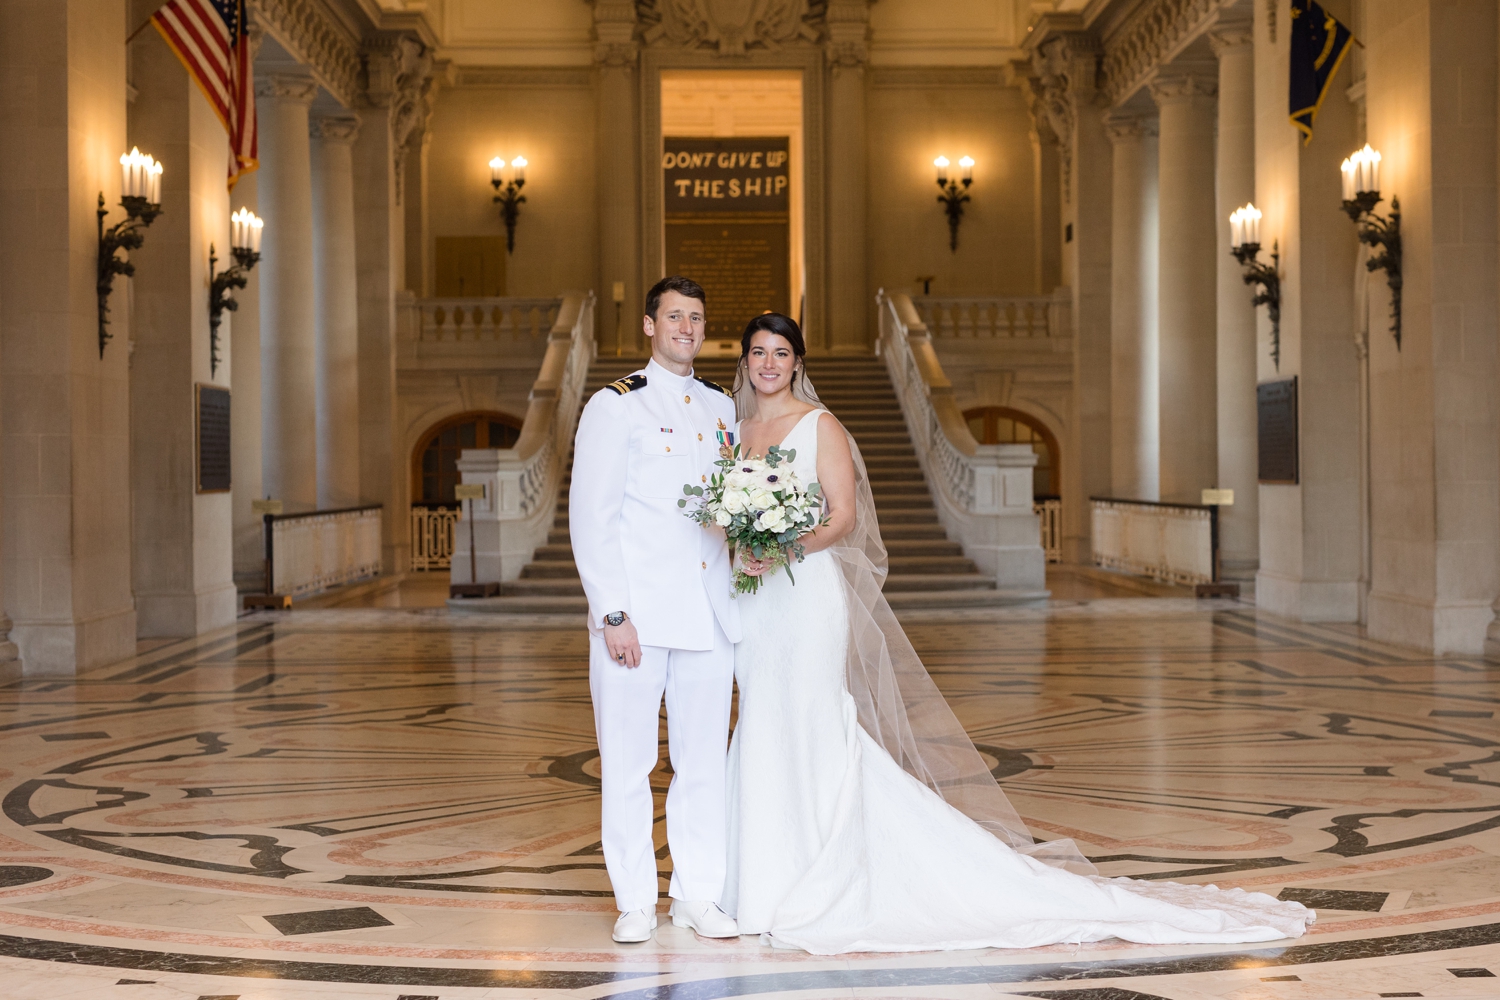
(834, 848)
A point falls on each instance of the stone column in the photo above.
(182, 538)
(1239, 525)
(337, 340)
(1188, 280)
(1065, 64)
(1133, 313)
(288, 316)
(848, 295)
(400, 91)
(65, 409)
(1435, 400)
(619, 192)
(247, 471)
(1310, 549)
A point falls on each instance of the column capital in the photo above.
(615, 43)
(1230, 38)
(340, 128)
(847, 23)
(1186, 87)
(1120, 127)
(296, 87)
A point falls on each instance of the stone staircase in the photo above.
(926, 569)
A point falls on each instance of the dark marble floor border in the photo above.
(136, 959)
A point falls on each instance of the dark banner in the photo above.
(726, 175)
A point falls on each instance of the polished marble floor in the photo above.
(402, 802)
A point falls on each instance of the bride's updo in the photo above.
(782, 326)
(786, 328)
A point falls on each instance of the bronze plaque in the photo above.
(1276, 427)
(213, 439)
(727, 225)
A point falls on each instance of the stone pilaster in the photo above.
(183, 566)
(1065, 64)
(1188, 278)
(1239, 525)
(617, 130)
(288, 297)
(1133, 278)
(65, 410)
(848, 294)
(337, 337)
(393, 121)
(247, 471)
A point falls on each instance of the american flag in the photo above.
(210, 37)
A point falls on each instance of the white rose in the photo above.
(734, 501)
(773, 521)
(761, 500)
(723, 518)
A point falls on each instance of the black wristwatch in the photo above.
(615, 618)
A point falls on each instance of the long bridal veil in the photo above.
(899, 706)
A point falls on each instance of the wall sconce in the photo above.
(1361, 194)
(1244, 245)
(511, 197)
(244, 243)
(953, 197)
(140, 196)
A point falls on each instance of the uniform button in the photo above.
(700, 437)
(705, 479)
(687, 399)
(705, 565)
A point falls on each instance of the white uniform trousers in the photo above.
(627, 706)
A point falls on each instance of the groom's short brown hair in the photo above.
(686, 287)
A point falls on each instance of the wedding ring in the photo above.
(621, 657)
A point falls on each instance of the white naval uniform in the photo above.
(638, 552)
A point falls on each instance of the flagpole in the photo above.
(144, 25)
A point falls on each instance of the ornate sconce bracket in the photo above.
(510, 200)
(123, 235)
(1385, 235)
(220, 298)
(953, 200)
(1268, 277)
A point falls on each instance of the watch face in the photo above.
(615, 619)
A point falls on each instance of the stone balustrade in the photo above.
(983, 492)
(324, 548)
(521, 483)
(986, 317)
(455, 320)
(1166, 541)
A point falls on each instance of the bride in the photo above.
(861, 817)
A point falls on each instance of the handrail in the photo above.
(329, 510)
(983, 491)
(525, 478)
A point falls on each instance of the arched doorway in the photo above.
(1002, 425)
(434, 470)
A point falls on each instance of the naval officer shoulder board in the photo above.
(629, 383)
(714, 385)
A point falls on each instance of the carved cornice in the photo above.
(342, 129)
(730, 27)
(1230, 37)
(287, 87)
(510, 77)
(935, 77)
(316, 39)
(1150, 37)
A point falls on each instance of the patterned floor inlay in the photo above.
(402, 804)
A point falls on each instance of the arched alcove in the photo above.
(1002, 425)
(434, 461)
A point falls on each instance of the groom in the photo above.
(660, 617)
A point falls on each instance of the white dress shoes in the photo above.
(704, 917)
(635, 926)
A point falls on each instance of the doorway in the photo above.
(733, 191)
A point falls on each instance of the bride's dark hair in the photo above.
(782, 326)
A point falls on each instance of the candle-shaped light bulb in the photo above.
(1236, 229)
(1371, 169)
(256, 225)
(1252, 224)
(967, 163)
(154, 197)
(518, 169)
(1348, 170)
(126, 168)
(497, 165)
(942, 169)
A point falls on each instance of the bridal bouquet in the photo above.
(762, 508)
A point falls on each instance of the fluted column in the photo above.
(1188, 286)
(1134, 465)
(1239, 525)
(848, 330)
(288, 317)
(337, 338)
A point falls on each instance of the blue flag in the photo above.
(1319, 43)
